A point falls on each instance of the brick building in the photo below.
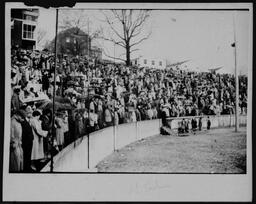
(23, 29)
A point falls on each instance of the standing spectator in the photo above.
(59, 130)
(38, 145)
(116, 117)
(108, 116)
(15, 102)
(133, 116)
(208, 123)
(46, 124)
(45, 82)
(200, 124)
(93, 121)
(16, 151)
(163, 116)
(27, 138)
(187, 126)
(66, 129)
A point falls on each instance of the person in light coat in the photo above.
(60, 129)
(38, 144)
(16, 151)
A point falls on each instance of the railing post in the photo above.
(88, 147)
(137, 136)
(230, 121)
(115, 148)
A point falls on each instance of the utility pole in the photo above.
(88, 43)
(114, 53)
(236, 78)
(54, 89)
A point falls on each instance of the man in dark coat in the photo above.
(163, 116)
(27, 138)
(45, 81)
(208, 123)
(200, 124)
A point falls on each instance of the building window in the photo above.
(28, 31)
(29, 17)
(74, 40)
(160, 63)
(145, 61)
(153, 62)
(67, 39)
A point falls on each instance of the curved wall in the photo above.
(86, 152)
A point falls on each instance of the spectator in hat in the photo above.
(208, 123)
(93, 121)
(66, 128)
(59, 129)
(15, 102)
(45, 82)
(108, 116)
(16, 151)
(27, 137)
(46, 124)
(38, 145)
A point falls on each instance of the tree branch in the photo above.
(113, 57)
(112, 28)
(120, 43)
(134, 50)
(143, 15)
(141, 40)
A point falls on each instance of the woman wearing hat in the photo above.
(38, 144)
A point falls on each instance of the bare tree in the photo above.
(126, 27)
(79, 21)
(73, 19)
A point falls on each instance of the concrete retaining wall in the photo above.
(76, 156)
(101, 144)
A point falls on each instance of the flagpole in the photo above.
(54, 90)
(236, 79)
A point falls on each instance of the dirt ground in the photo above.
(214, 151)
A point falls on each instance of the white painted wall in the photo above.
(74, 158)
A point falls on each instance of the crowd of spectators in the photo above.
(94, 94)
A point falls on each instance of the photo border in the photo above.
(155, 184)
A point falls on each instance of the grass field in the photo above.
(214, 151)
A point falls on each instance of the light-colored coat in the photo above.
(38, 145)
(60, 130)
(16, 151)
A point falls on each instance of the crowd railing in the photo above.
(86, 152)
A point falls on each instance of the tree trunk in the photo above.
(128, 56)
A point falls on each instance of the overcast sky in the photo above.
(204, 37)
